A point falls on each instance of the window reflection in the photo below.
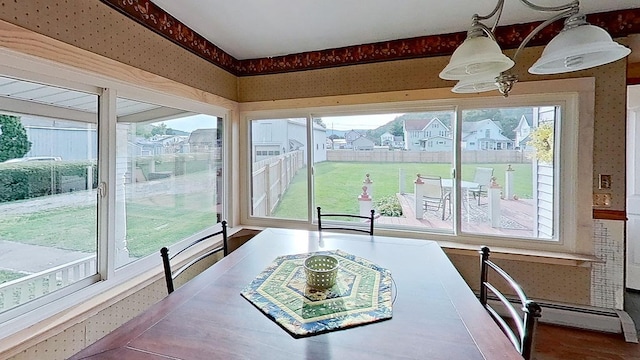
(169, 177)
(48, 198)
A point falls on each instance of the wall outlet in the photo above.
(602, 200)
(605, 181)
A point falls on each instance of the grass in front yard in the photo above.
(338, 184)
(6, 276)
(72, 228)
(149, 226)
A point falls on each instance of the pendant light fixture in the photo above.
(479, 64)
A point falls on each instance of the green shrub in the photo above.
(25, 180)
(388, 206)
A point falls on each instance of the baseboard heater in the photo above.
(582, 317)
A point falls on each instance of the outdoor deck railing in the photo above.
(19, 291)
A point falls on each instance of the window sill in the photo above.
(498, 252)
(532, 256)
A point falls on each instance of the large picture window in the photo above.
(473, 171)
(278, 166)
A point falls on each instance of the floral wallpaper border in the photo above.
(617, 23)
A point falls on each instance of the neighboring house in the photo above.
(522, 132)
(387, 139)
(280, 136)
(203, 140)
(418, 133)
(438, 143)
(339, 144)
(148, 147)
(363, 143)
(51, 137)
(391, 141)
(484, 135)
(350, 136)
(398, 142)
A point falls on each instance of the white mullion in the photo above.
(457, 159)
(107, 180)
(310, 169)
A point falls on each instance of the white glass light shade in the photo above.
(476, 84)
(578, 48)
(475, 57)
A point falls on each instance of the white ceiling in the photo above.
(248, 29)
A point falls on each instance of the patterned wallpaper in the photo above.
(618, 23)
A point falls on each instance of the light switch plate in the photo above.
(604, 181)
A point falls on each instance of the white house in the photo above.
(363, 143)
(398, 142)
(387, 139)
(438, 143)
(350, 136)
(275, 137)
(522, 131)
(484, 135)
(418, 132)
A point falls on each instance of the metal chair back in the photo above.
(523, 326)
(170, 275)
(368, 230)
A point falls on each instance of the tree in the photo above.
(159, 129)
(13, 138)
(396, 128)
(320, 122)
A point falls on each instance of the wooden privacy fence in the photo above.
(271, 178)
(400, 156)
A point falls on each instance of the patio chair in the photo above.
(435, 197)
(482, 177)
(369, 219)
(171, 275)
(522, 337)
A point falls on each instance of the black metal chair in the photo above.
(522, 337)
(369, 218)
(171, 275)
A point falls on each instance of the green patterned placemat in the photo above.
(361, 295)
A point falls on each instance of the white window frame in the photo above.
(16, 323)
(576, 98)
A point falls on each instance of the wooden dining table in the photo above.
(435, 313)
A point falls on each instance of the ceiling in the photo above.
(266, 28)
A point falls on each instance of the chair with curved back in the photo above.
(435, 196)
(368, 230)
(170, 275)
(482, 177)
(522, 337)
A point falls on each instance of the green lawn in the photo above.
(338, 182)
(6, 276)
(149, 226)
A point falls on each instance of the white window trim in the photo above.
(111, 79)
(577, 97)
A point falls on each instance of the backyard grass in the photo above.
(338, 184)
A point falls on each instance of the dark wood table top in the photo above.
(435, 314)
